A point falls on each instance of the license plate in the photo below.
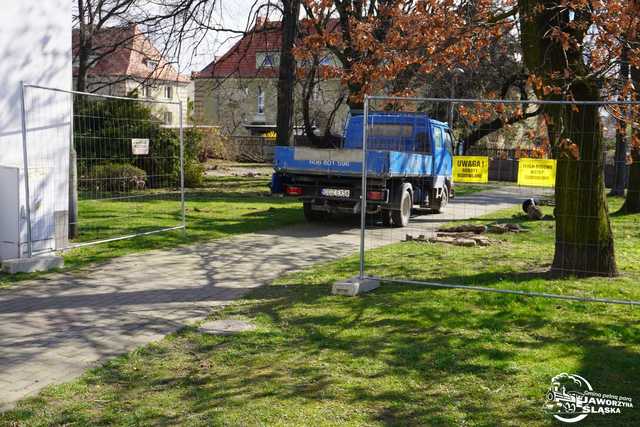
(335, 192)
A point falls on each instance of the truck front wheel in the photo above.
(401, 217)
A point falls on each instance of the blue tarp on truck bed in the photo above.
(349, 162)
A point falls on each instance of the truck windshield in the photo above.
(391, 130)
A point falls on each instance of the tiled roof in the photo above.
(240, 60)
(127, 51)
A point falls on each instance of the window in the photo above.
(146, 92)
(267, 60)
(260, 100)
(391, 130)
(448, 144)
(328, 60)
(168, 117)
(168, 92)
(151, 65)
(437, 137)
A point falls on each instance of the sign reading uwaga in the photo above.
(537, 172)
(471, 169)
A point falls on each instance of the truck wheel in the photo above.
(310, 215)
(439, 204)
(401, 217)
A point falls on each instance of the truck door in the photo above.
(447, 153)
(442, 152)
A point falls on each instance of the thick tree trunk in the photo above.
(286, 80)
(632, 202)
(584, 239)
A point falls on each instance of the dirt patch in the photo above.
(468, 235)
(224, 168)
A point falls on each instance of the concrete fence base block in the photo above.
(354, 286)
(225, 327)
(31, 265)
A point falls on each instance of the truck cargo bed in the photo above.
(380, 163)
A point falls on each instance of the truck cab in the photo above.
(409, 167)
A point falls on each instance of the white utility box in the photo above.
(48, 226)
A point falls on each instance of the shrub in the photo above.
(214, 145)
(115, 177)
(103, 130)
(193, 173)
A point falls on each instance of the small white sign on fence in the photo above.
(140, 146)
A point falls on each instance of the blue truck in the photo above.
(409, 168)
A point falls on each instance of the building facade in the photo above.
(126, 62)
(238, 91)
(36, 49)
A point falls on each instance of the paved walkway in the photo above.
(52, 329)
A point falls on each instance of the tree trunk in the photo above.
(584, 239)
(286, 80)
(85, 44)
(620, 164)
(632, 202)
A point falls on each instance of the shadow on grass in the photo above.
(398, 356)
(402, 355)
(441, 336)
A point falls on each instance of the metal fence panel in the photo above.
(99, 168)
(520, 157)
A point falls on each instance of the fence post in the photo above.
(23, 114)
(72, 220)
(184, 219)
(363, 192)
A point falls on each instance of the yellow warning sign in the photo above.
(471, 169)
(537, 172)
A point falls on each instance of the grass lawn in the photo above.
(466, 189)
(225, 206)
(401, 355)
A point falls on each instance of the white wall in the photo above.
(35, 47)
